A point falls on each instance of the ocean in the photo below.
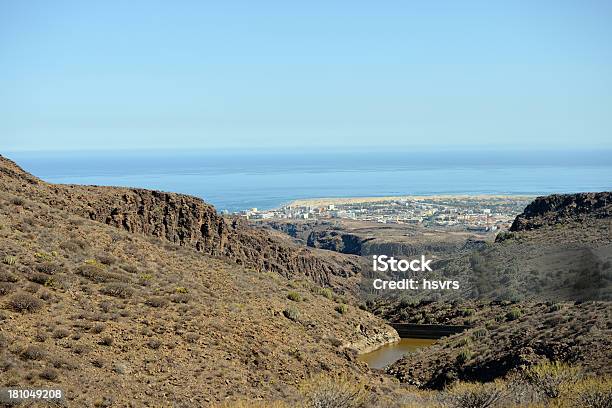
(237, 180)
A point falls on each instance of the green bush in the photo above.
(294, 296)
(479, 333)
(514, 314)
(342, 308)
(291, 313)
(325, 292)
(467, 312)
(463, 341)
(555, 307)
(9, 260)
(463, 356)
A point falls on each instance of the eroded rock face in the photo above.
(557, 208)
(184, 220)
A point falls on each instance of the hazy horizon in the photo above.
(239, 180)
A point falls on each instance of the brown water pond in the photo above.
(390, 353)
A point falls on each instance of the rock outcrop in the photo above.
(558, 208)
(186, 221)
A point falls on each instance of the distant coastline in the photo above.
(324, 201)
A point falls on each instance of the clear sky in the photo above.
(262, 74)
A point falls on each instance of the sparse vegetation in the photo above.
(156, 301)
(325, 292)
(49, 373)
(223, 332)
(117, 289)
(342, 308)
(25, 303)
(107, 340)
(292, 313)
(34, 352)
(514, 314)
(327, 392)
(464, 356)
(296, 297)
(9, 260)
(475, 395)
(553, 378)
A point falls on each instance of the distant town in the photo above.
(473, 213)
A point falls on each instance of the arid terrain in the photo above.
(130, 297)
(152, 311)
(368, 238)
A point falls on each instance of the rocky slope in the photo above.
(578, 334)
(542, 291)
(123, 297)
(186, 221)
(365, 239)
(559, 208)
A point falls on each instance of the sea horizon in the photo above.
(238, 180)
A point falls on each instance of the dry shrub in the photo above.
(74, 245)
(25, 303)
(252, 404)
(129, 268)
(292, 313)
(6, 276)
(39, 278)
(191, 337)
(48, 267)
(106, 341)
(61, 333)
(49, 373)
(180, 298)
(156, 301)
(17, 201)
(120, 290)
(553, 378)
(593, 393)
(106, 259)
(154, 344)
(34, 352)
(96, 273)
(475, 395)
(98, 328)
(333, 392)
(6, 288)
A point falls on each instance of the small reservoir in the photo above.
(390, 353)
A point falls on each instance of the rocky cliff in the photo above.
(558, 208)
(183, 220)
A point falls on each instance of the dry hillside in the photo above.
(130, 297)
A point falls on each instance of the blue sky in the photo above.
(227, 74)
